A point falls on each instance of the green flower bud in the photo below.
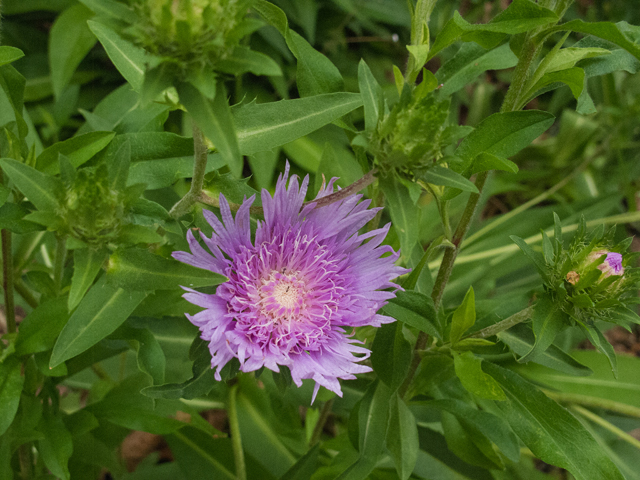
(189, 33)
(410, 139)
(94, 213)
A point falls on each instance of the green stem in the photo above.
(25, 293)
(607, 425)
(25, 459)
(200, 153)
(318, 429)
(594, 402)
(528, 54)
(7, 281)
(446, 267)
(236, 440)
(61, 258)
(506, 324)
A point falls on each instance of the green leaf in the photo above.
(149, 355)
(535, 257)
(197, 386)
(625, 389)
(11, 382)
(391, 354)
(338, 162)
(109, 8)
(469, 62)
(165, 172)
(373, 419)
(304, 468)
(78, 149)
(124, 406)
(56, 447)
(415, 309)
(215, 120)
(156, 80)
(265, 126)
(464, 317)
(44, 191)
(87, 263)
(438, 175)
(315, 74)
(520, 339)
(469, 371)
(9, 54)
(69, 42)
(100, 313)
(572, 77)
(487, 161)
(201, 456)
(372, 97)
(504, 134)
(605, 30)
(402, 437)
(548, 321)
(127, 58)
(519, 17)
(481, 423)
(39, 329)
(404, 213)
(119, 168)
(550, 431)
(137, 269)
(243, 60)
(599, 341)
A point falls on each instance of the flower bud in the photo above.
(612, 264)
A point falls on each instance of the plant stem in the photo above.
(26, 461)
(505, 324)
(594, 402)
(318, 429)
(444, 273)
(528, 54)
(607, 425)
(7, 281)
(200, 152)
(58, 267)
(24, 292)
(236, 440)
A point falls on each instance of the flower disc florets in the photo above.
(295, 292)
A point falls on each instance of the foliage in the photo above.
(501, 138)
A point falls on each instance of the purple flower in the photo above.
(612, 264)
(296, 291)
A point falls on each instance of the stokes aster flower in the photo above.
(293, 294)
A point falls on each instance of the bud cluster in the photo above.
(410, 138)
(592, 279)
(189, 34)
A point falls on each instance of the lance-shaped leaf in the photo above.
(535, 257)
(438, 175)
(549, 430)
(39, 329)
(519, 17)
(139, 270)
(504, 134)
(78, 149)
(404, 213)
(415, 309)
(213, 116)
(69, 42)
(9, 54)
(520, 339)
(372, 97)
(149, 355)
(391, 354)
(243, 60)
(263, 126)
(599, 341)
(128, 59)
(548, 321)
(483, 423)
(402, 437)
(43, 190)
(11, 382)
(86, 266)
(119, 167)
(464, 317)
(100, 313)
(56, 447)
(469, 370)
